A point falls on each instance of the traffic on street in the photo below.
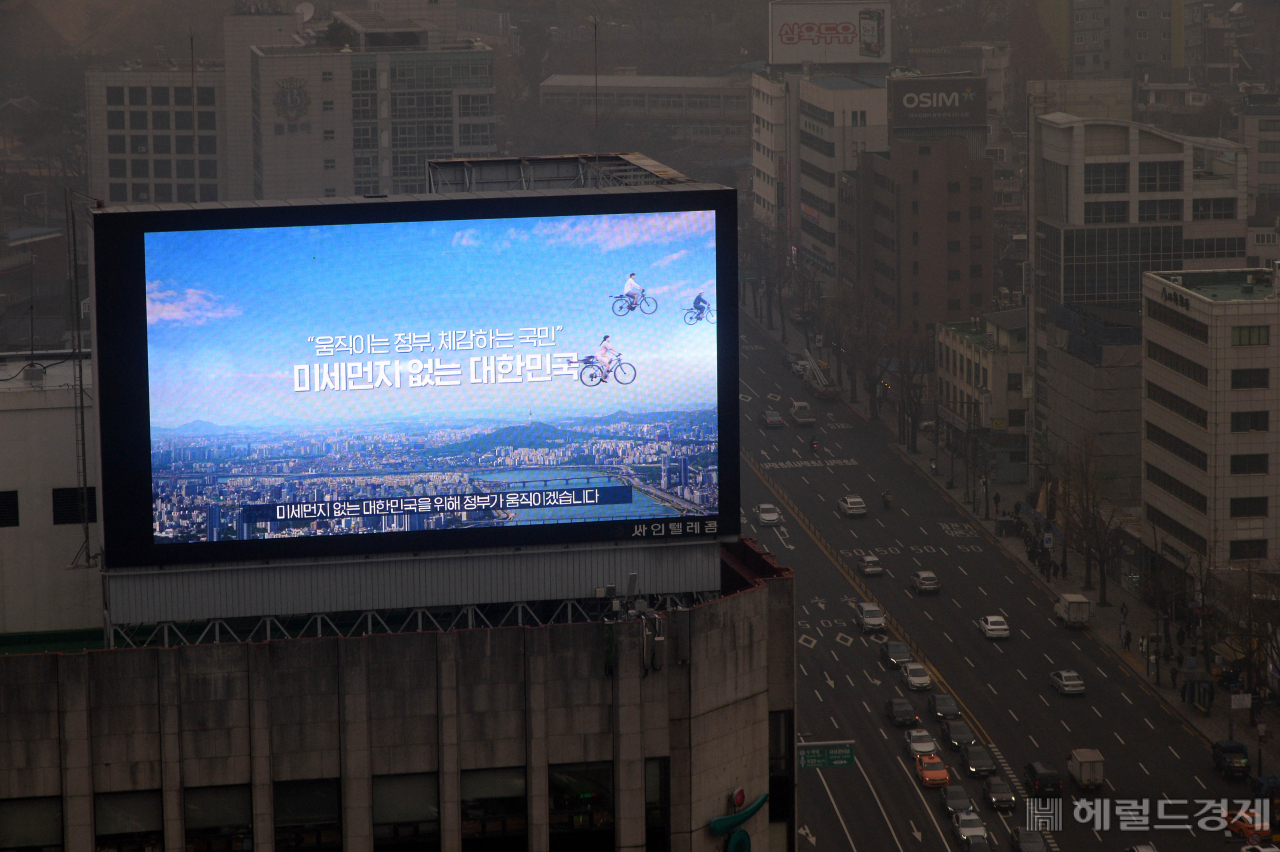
(939, 658)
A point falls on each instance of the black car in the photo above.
(955, 799)
(894, 653)
(957, 734)
(977, 761)
(978, 844)
(901, 713)
(999, 794)
(1022, 840)
(943, 706)
(771, 419)
(1042, 781)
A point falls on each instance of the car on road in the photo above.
(1042, 781)
(1248, 825)
(901, 713)
(768, 514)
(916, 676)
(870, 617)
(894, 653)
(994, 627)
(801, 366)
(802, 414)
(998, 793)
(942, 706)
(869, 565)
(966, 825)
(1025, 840)
(1067, 682)
(852, 506)
(932, 771)
(925, 583)
(956, 800)
(1231, 759)
(977, 760)
(957, 734)
(1268, 848)
(978, 844)
(771, 419)
(918, 741)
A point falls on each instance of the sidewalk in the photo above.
(1105, 622)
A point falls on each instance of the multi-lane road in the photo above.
(1002, 687)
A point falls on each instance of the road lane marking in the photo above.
(1117, 736)
(806, 482)
(1201, 783)
(839, 815)
(805, 673)
(820, 497)
(962, 571)
(833, 721)
(1175, 754)
(998, 648)
(1042, 698)
(748, 387)
(817, 693)
(1074, 645)
(1051, 622)
(1015, 716)
(833, 653)
(1149, 725)
(1033, 603)
(872, 478)
(1095, 711)
(917, 561)
(880, 522)
(984, 591)
(1051, 662)
(1033, 741)
(1019, 671)
(1143, 768)
(1023, 632)
(904, 511)
(1064, 724)
(927, 615)
(883, 734)
(1101, 672)
(993, 689)
(957, 603)
(1125, 697)
(851, 683)
(846, 487)
(1010, 579)
(915, 786)
(1002, 612)
(923, 530)
(944, 552)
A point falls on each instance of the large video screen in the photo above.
(427, 382)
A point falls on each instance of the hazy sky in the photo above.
(230, 314)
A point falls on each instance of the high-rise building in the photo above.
(1113, 199)
(925, 231)
(1144, 38)
(356, 105)
(1207, 404)
(1260, 133)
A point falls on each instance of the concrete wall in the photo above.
(106, 721)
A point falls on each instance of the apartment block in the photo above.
(1206, 410)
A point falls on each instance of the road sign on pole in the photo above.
(825, 754)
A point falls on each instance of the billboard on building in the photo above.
(407, 376)
(937, 101)
(826, 32)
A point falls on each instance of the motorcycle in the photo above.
(814, 446)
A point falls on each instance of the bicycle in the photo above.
(593, 372)
(692, 316)
(622, 305)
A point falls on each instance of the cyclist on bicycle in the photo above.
(700, 305)
(605, 357)
(633, 291)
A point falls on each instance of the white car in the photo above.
(916, 676)
(1067, 682)
(919, 741)
(869, 565)
(768, 514)
(994, 627)
(852, 506)
(870, 617)
(1267, 848)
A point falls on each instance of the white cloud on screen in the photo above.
(669, 259)
(469, 237)
(617, 232)
(191, 306)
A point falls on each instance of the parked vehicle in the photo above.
(1086, 767)
(1231, 759)
(1073, 610)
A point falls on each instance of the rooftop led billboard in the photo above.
(296, 381)
(829, 32)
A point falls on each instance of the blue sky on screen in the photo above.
(229, 314)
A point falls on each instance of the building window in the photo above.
(975, 243)
(128, 821)
(117, 169)
(953, 186)
(1213, 208)
(1105, 177)
(208, 192)
(364, 107)
(477, 106)
(185, 170)
(657, 798)
(1142, 34)
(8, 508)
(70, 504)
(975, 213)
(1106, 212)
(1187, 536)
(1177, 447)
(138, 144)
(160, 121)
(186, 192)
(1250, 421)
(924, 151)
(1160, 210)
(117, 192)
(183, 121)
(1248, 507)
(494, 813)
(953, 215)
(115, 145)
(1248, 548)
(137, 119)
(208, 146)
(330, 165)
(975, 270)
(1256, 377)
(475, 135)
(953, 274)
(218, 817)
(1264, 239)
(1160, 177)
(1241, 465)
(205, 96)
(327, 136)
(162, 192)
(1177, 488)
(308, 814)
(115, 119)
(952, 245)
(208, 170)
(1182, 323)
(182, 96)
(184, 144)
(1178, 363)
(326, 76)
(1250, 335)
(364, 79)
(1013, 382)
(115, 95)
(406, 813)
(580, 807)
(1167, 399)
(954, 304)
(364, 138)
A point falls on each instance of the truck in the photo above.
(815, 378)
(1073, 610)
(1085, 766)
(802, 413)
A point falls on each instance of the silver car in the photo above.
(1067, 682)
(919, 741)
(869, 565)
(916, 676)
(852, 506)
(870, 617)
(768, 514)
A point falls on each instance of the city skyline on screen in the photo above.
(450, 321)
